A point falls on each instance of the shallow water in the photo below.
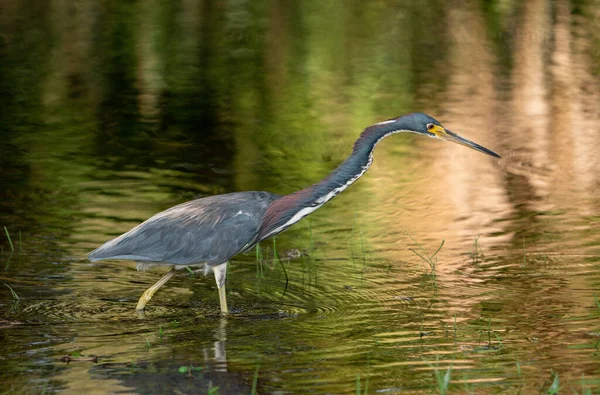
(112, 112)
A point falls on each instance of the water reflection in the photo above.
(112, 112)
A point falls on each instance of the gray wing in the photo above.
(211, 230)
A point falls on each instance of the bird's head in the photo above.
(426, 125)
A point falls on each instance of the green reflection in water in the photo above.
(111, 112)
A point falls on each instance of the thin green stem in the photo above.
(12, 248)
(287, 279)
(255, 380)
(12, 291)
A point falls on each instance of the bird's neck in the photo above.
(291, 208)
(354, 167)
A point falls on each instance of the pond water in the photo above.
(112, 111)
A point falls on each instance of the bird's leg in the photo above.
(220, 275)
(147, 295)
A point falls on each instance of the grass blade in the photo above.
(12, 248)
(439, 248)
(287, 279)
(12, 291)
(555, 386)
(255, 381)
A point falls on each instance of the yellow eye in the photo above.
(430, 126)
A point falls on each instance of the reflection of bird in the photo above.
(213, 229)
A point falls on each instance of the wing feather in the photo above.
(211, 230)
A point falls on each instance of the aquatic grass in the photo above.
(259, 262)
(443, 381)
(309, 268)
(597, 302)
(477, 254)
(584, 389)
(213, 390)
(499, 341)
(358, 386)
(287, 279)
(255, 380)
(442, 378)
(160, 332)
(467, 384)
(12, 248)
(489, 336)
(445, 328)
(358, 381)
(430, 259)
(14, 294)
(555, 386)
(147, 343)
(518, 364)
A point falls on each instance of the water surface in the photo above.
(113, 111)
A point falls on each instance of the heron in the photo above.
(206, 233)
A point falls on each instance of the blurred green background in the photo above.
(111, 111)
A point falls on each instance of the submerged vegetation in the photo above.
(13, 293)
(12, 248)
(431, 260)
(442, 377)
(477, 253)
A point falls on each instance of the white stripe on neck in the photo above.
(330, 195)
(321, 201)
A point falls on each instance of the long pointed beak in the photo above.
(455, 138)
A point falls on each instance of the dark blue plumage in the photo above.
(209, 230)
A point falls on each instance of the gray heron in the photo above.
(210, 231)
